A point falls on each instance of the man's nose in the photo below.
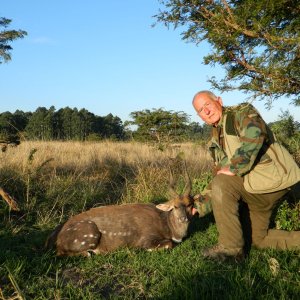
(206, 110)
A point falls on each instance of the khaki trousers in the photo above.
(227, 192)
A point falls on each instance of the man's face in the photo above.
(210, 111)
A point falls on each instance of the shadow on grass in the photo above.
(23, 244)
(200, 224)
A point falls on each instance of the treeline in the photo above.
(156, 125)
(64, 124)
(67, 123)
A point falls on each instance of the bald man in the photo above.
(251, 168)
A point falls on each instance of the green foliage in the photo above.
(196, 132)
(64, 124)
(7, 36)
(288, 216)
(257, 42)
(93, 137)
(12, 125)
(287, 131)
(199, 184)
(45, 124)
(159, 125)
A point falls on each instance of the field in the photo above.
(53, 180)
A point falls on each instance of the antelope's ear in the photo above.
(165, 206)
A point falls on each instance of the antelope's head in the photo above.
(180, 206)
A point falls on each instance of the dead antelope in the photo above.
(104, 229)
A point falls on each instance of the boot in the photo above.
(221, 254)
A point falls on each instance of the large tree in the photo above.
(257, 42)
(159, 125)
(7, 36)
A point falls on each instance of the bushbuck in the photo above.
(136, 225)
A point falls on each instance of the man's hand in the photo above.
(196, 203)
(202, 205)
(194, 211)
(225, 171)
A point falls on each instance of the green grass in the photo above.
(181, 273)
(49, 194)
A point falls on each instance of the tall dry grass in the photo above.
(84, 156)
(52, 180)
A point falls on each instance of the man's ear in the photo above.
(220, 101)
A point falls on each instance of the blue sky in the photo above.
(106, 57)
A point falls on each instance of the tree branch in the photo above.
(9, 200)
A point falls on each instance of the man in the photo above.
(250, 167)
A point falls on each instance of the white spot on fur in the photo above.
(90, 222)
(176, 240)
(83, 243)
(85, 235)
(115, 233)
(74, 228)
(91, 235)
(75, 241)
(119, 233)
(68, 229)
(92, 245)
(104, 232)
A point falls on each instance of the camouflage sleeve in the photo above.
(203, 203)
(217, 154)
(252, 133)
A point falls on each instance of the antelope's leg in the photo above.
(161, 244)
(78, 238)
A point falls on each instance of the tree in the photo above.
(112, 127)
(159, 125)
(257, 42)
(196, 132)
(21, 119)
(64, 124)
(7, 36)
(39, 126)
(13, 125)
(286, 126)
(287, 131)
(6, 125)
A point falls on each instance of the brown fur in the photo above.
(104, 229)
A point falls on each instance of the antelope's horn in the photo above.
(172, 190)
(188, 182)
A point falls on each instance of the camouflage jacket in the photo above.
(245, 122)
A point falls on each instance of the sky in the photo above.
(106, 57)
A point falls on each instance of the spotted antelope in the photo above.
(104, 229)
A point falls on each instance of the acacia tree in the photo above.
(7, 36)
(159, 125)
(257, 42)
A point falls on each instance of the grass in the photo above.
(61, 179)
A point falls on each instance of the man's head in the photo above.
(208, 107)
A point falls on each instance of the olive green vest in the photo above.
(276, 170)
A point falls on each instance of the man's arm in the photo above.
(252, 134)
